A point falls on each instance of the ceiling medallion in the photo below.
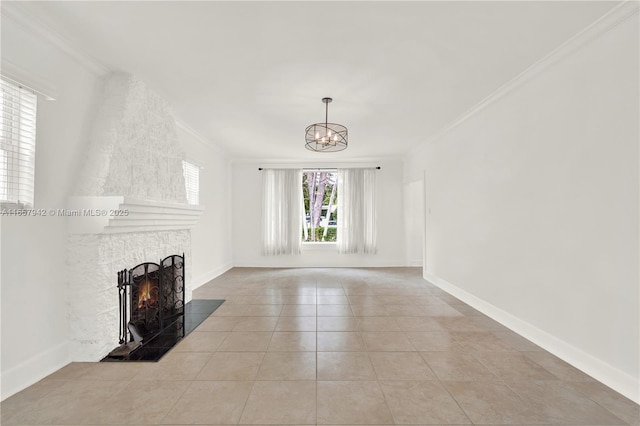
(326, 137)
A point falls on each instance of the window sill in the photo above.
(318, 246)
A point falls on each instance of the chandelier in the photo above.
(326, 137)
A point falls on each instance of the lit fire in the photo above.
(146, 298)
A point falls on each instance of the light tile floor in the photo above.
(330, 346)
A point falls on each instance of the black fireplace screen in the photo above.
(151, 297)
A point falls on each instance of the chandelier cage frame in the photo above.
(326, 137)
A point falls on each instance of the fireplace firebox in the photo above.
(151, 299)
(156, 297)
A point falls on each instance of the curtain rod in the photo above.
(329, 168)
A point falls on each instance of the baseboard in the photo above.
(202, 279)
(289, 262)
(34, 369)
(292, 266)
(614, 378)
(414, 262)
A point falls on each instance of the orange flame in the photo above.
(145, 298)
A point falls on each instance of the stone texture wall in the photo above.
(94, 261)
(134, 147)
(134, 151)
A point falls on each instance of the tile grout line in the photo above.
(176, 401)
(255, 379)
(527, 396)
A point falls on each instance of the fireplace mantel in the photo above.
(117, 214)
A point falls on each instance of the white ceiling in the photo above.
(250, 75)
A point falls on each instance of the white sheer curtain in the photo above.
(281, 211)
(356, 211)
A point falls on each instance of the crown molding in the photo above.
(39, 85)
(17, 13)
(310, 163)
(607, 22)
(200, 138)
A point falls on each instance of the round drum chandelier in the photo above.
(326, 137)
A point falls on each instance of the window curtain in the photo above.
(356, 211)
(281, 211)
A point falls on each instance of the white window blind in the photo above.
(17, 144)
(191, 182)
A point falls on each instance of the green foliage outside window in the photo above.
(319, 189)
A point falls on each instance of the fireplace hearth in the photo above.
(153, 313)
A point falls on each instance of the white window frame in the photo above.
(18, 108)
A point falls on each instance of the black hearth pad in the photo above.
(195, 312)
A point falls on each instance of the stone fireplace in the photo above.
(133, 165)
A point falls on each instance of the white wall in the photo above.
(34, 291)
(211, 238)
(414, 222)
(532, 207)
(247, 216)
(35, 326)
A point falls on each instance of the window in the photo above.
(320, 197)
(17, 144)
(191, 182)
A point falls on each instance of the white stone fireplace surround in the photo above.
(133, 165)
